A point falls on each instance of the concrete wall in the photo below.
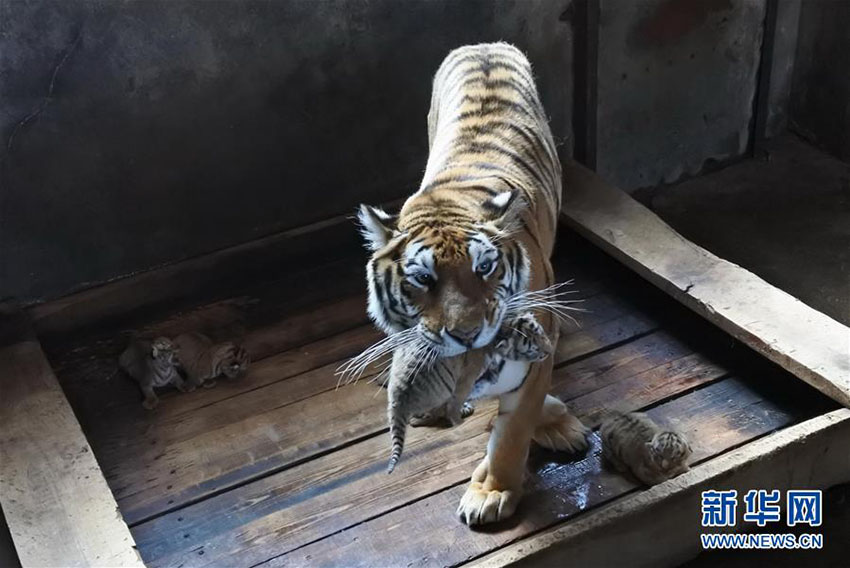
(141, 133)
(820, 107)
(782, 66)
(137, 133)
(676, 85)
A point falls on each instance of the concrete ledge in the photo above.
(802, 340)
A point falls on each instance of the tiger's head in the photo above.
(231, 360)
(444, 272)
(164, 351)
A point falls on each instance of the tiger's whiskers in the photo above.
(550, 300)
(351, 370)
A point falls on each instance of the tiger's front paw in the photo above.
(479, 506)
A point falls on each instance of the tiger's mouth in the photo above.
(444, 344)
(427, 344)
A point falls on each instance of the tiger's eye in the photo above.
(424, 279)
(484, 267)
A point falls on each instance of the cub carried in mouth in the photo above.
(447, 383)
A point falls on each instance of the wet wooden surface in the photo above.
(718, 417)
(281, 466)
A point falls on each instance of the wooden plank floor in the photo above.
(282, 468)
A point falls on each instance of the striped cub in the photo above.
(416, 387)
(203, 361)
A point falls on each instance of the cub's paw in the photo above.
(527, 325)
(442, 416)
(466, 410)
(524, 339)
(150, 403)
(208, 384)
(565, 433)
(478, 506)
(430, 418)
(186, 387)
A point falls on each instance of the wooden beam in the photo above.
(58, 507)
(802, 340)
(661, 526)
(203, 278)
(8, 556)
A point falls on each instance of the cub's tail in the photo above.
(398, 428)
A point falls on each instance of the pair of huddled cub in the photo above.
(417, 395)
(161, 362)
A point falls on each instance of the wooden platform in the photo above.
(54, 497)
(280, 468)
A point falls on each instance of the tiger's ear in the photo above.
(376, 226)
(503, 209)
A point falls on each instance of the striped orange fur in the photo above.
(478, 233)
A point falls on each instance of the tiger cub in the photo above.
(152, 364)
(443, 387)
(203, 361)
(633, 442)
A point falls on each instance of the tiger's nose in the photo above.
(464, 336)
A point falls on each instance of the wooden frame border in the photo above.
(661, 526)
(58, 506)
(802, 340)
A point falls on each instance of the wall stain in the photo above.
(672, 20)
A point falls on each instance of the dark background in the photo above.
(178, 128)
(141, 133)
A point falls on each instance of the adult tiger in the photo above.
(467, 245)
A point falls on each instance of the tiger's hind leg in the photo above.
(559, 430)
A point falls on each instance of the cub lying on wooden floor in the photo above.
(152, 364)
(633, 442)
(203, 361)
(159, 363)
